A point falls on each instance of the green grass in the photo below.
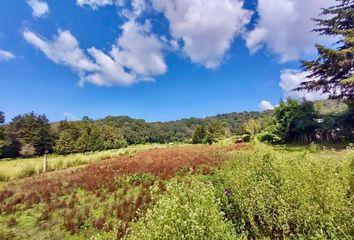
(19, 168)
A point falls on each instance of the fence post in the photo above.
(45, 163)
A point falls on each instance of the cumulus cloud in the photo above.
(284, 27)
(39, 8)
(6, 55)
(194, 28)
(63, 49)
(206, 27)
(266, 105)
(290, 79)
(136, 56)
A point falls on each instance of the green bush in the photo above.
(246, 137)
(268, 137)
(187, 210)
(287, 195)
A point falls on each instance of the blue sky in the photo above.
(153, 59)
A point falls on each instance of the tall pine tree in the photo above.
(332, 71)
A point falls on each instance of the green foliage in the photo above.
(65, 143)
(87, 137)
(215, 131)
(283, 115)
(274, 195)
(246, 138)
(29, 129)
(2, 134)
(27, 150)
(332, 71)
(306, 122)
(137, 131)
(199, 135)
(2, 117)
(268, 137)
(187, 210)
(252, 127)
(110, 133)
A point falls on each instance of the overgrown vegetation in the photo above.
(19, 168)
(283, 195)
(199, 192)
(187, 210)
(303, 122)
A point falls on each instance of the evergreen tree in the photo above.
(2, 134)
(66, 142)
(303, 123)
(284, 115)
(199, 135)
(332, 71)
(112, 138)
(29, 129)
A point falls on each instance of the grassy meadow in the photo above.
(245, 191)
(19, 168)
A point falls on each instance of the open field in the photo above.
(14, 169)
(206, 192)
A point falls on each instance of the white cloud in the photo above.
(290, 79)
(139, 50)
(70, 116)
(137, 6)
(39, 8)
(203, 37)
(6, 55)
(266, 105)
(206, 27)
(63, 49)
(137, 56)
(94, 4)
(285, 26)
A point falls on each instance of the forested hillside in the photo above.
(139, 131)
(292, 121)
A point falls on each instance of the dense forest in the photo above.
(292, 121)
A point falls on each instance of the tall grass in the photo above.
(18, 168)
(288, 195)
(187, 210)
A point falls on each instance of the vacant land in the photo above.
(188, 192)
(14, 169)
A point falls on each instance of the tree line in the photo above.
(303, 121)
(31, 134)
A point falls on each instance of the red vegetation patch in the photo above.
(99, 176)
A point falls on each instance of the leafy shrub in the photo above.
(187, 210)
(246, 137)
(287, 195)
(268, 137)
